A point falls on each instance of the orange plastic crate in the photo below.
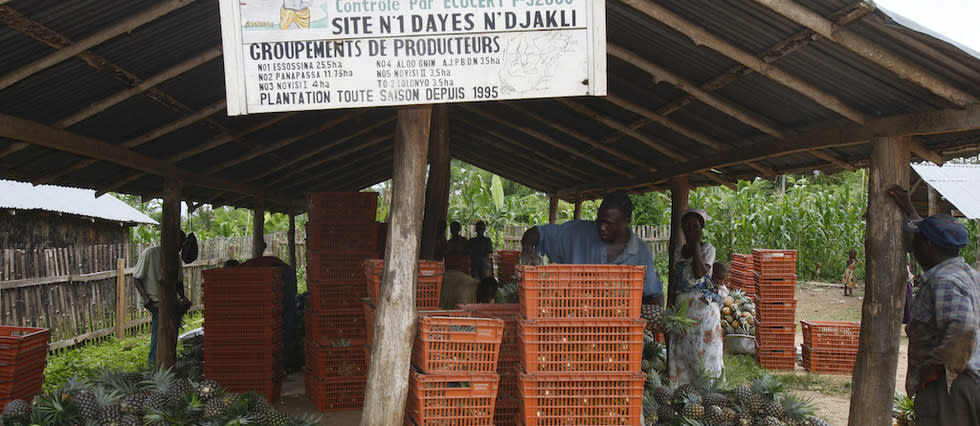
(330, 295)
(829, 361)
(771, 293)
(428, 284)
(505, 412)
(457, 344)
(336, 265)
(777, 359)
(342, 207)
(581, 291)
(24, 388)
(334, 394)
(327, 327)
(581, 399)
(774, 262)
(776, 336)
(821, 335)
(577, 346)
(330, 236)
(15, 341)
(459, 399)
(510, 372)
(507, 262)
(267, 384)
(510, 313)
(772, 312)
(244, 278)
(336, 361)
(369, 320)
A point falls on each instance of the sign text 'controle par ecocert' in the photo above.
(293, 55)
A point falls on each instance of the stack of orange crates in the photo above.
(340, 235)
(830, 347)
(459, 263)
(508, 366)
(581, 344)
(454, 381)
(775, 305)
(507, 261)
(742, 273)
(243, 329)
(23, 355)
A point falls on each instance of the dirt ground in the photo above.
(816, 301)
(821, 301)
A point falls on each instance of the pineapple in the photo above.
(692, 405)
(715, 398)
(213, 407)
(816, 421)
(653, 380)
(209, 389)
(158, 384)
(773, 409)
(666, 412)
(685, 391)
(755, 403)
(654, 314)
(131, 420)
(713, 415)
(88, 407)
(740, 393)
(769, 421)
(17, 408)
(108, 402)
(730, 415)
(650, 407)
(663, 395)
(764, 391)
(178, 389)
(55, 408)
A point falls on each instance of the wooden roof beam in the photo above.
(661, 74)
(582, 138)
(174, 71)
(830, 158)
(653, 117)
(14, 147)
(50, 137)
(282, 143)
(533, 180)
(175, 125)
(381, 158)
(321, 149)
(485, 131)
(926, 123)
(377, 158)
(321, 161)
(868, 50)
(621, 127)
(515, 151)
(719, 180)
(927, 154)
(765, 170)
(544, 138)
(228, 137)
(126, 25)
(702, 37)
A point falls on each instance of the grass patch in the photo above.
(743, 369)
(127, 354)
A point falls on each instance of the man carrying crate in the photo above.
(606, 240)
(944, 349)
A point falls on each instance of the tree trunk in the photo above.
(437, 191)
(258, 228)
(884, 296)
(167, 306)
(553, 209)
(578, 209)
(291, 240)
(933, 200)
(679, 193)
(394, 331)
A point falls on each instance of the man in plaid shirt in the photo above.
(944, 349)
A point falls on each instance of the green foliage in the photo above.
(128, 354)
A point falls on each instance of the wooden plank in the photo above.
(884, 296)
(166, 354)
(387, 381)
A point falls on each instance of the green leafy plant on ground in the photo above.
(743, 369)
(128, 354)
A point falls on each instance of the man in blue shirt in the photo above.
(606, 240)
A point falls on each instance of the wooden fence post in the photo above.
(679, 193)
(121, 298)
(258, 227)
(167, 306)
(884, 295)
(395, 323)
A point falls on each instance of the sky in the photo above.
(958, 20)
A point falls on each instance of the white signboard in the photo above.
(291, 55)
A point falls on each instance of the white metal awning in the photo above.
(958, 183)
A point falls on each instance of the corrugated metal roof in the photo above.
(81, 202)
(958, 183)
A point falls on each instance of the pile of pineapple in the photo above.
(738, 314)
(152, 398)
(704, 402)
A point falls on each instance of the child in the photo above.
(849, 280)
(719, 275)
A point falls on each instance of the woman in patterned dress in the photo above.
(701, 347)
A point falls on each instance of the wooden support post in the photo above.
(553, 209)
(578, 209)
(884, 295)
(291, 240)
(679, 193)
(166, 321)
(395, 323)
(120, 298)
(258, 228)
(437, 190)
(933, 200)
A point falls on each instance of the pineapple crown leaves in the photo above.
(767, 385)
(654, 379)
(55, 408)
(796, 407)
(105, 397)
(160, 380)
(685, 421)
(75, 384)
(307, 420)
(676, 321)
(689, 398)
(903, 406)
(186, 413)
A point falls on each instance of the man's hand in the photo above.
(149, 304)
